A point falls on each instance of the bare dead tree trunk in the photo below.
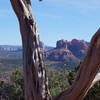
(36, 83)
(36, 86)
(88, 73)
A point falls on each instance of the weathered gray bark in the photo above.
(36, 86)
(88, 73)
(36, 83)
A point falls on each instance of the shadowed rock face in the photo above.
(78, 48)
(61, 44)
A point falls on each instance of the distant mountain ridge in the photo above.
(66, 55)
(14, 48)
(64, 50)
(10, 48)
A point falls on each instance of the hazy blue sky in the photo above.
(56, 19)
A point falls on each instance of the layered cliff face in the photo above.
(78, 48)
(61, 44)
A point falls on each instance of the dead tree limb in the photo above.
(36, 86)
(88, 73)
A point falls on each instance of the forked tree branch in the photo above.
(86, 74)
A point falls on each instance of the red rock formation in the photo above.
(60, 53)
(78, 48)
(61, 44)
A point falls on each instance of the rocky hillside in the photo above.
(64, 50)
(60, 53)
